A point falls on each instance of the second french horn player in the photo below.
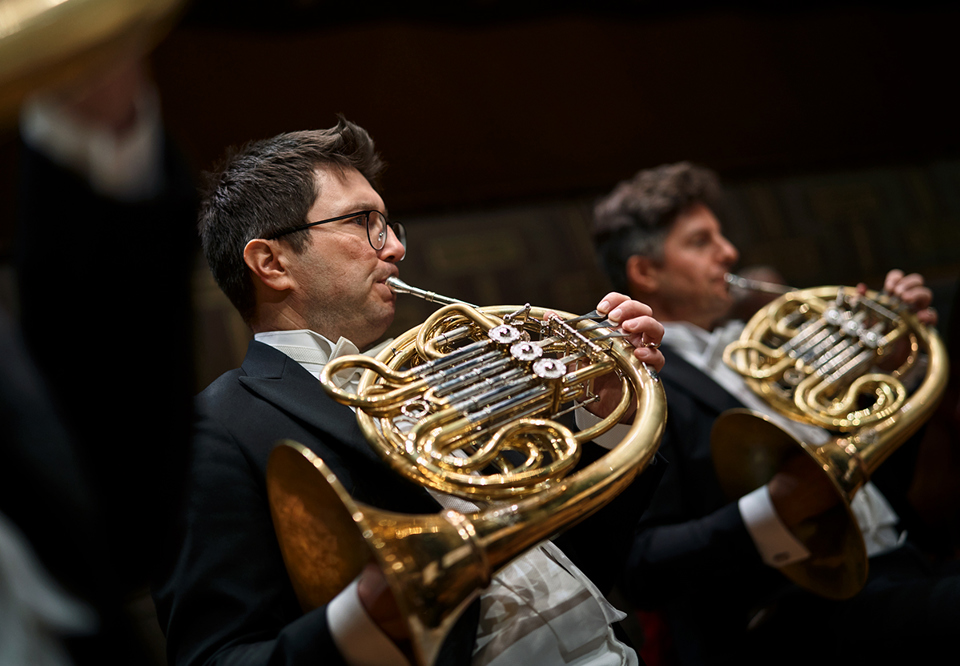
(712, 564)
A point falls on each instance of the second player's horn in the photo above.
(814, 356)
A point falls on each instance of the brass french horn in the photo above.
(442, 406)
(813, 356)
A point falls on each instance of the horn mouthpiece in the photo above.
(757, 285)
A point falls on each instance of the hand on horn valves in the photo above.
(911, 291)
(643, 332)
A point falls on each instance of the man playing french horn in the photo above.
(297, 236)
(707, 564)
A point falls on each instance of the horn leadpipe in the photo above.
(400, 287)
(756, 285)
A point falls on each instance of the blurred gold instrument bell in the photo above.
(45, 43)
(464, 404)
(813, 356)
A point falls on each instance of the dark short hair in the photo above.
(637, 215)
(270, 185)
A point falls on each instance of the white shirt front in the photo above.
(539, 609)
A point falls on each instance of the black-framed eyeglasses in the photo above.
(376, 223)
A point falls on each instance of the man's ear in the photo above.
(642, 275)
(267, 260)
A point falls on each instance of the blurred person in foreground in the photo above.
(708, 564)
(96, 369)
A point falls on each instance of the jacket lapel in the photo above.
(680, 375)
(283, 382)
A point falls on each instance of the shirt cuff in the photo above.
(359, 639)
(776, 544)
(607, 440)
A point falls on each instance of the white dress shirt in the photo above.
(539, 609)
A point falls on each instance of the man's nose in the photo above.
(393, 250)
(728, 253)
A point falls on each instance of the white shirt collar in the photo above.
(310, 346)
(703, 349)
(313, 351)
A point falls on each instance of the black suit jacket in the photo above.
(693, 557)
(226, 593)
